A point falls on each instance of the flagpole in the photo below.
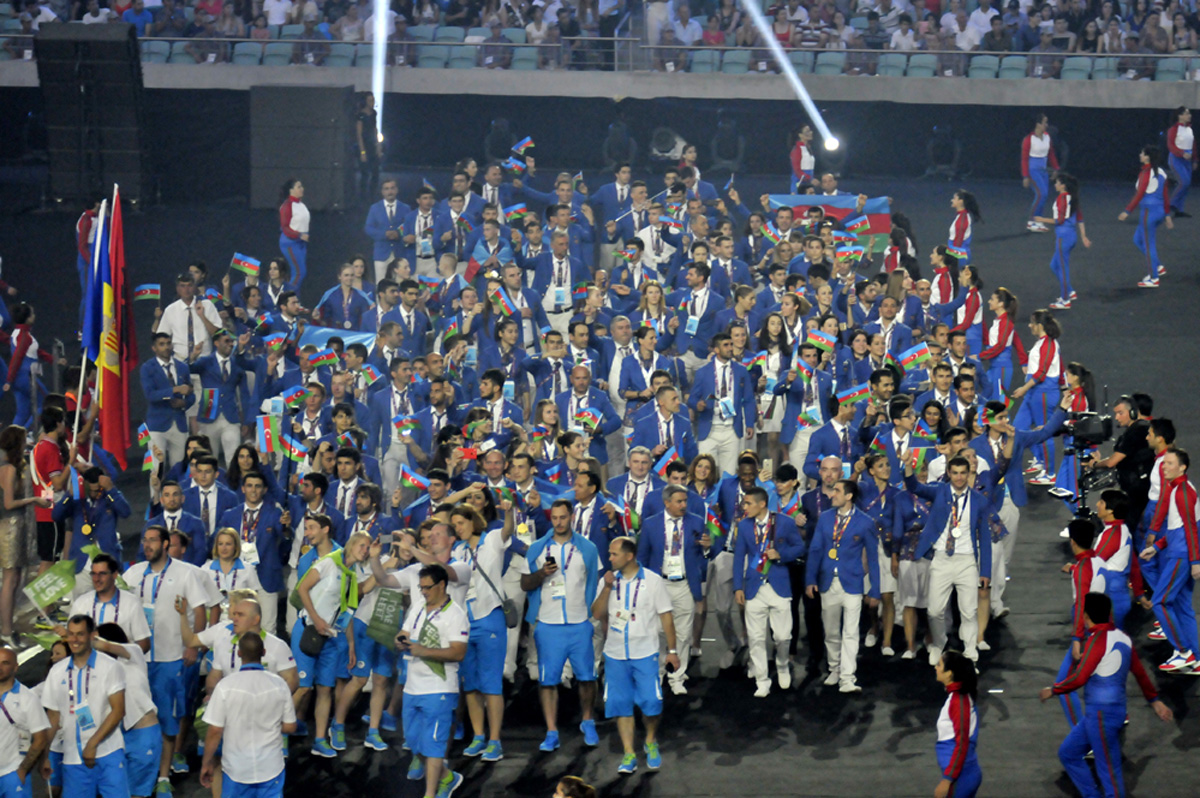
(88, 303)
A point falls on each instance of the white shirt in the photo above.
(366, 602)
(570, 607)
(452, 627)
(344, 497)
(240, 576)
(488, 558)
(634, 607)
(93, 685)
(277, 11)
(456, 589)
(159, 590)
(277, 656)
(138, 701)
(124, 609)
(251, 706)
(981, 21)
(326, 594)
(174, 322)
(28, 718)
(962, 532)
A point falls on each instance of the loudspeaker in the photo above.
(305, 133)
(91, 80)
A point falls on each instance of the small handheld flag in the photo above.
(514, 212)
(411, 479)
(371, 374)
(877, 444)
(245, 263)
(465, 223)
(918, 457)
(404, 423)
(840, 237)
(429, 283)
(804, 371)
(326, 357)
(759, 359)
(148, 462)
(669, 456)
(808, 419)
(538, 434)
(588, 418)
(212, 294)
(627, 255)
(275, 341)
(771, 234)
(268, 433)
(823, 341)
(426, 184)
(148, 291)
(890, 360)
(674, 224)
(514, 166)
(579, 292)
(294, 396)
(923, 431)
(523, 145)
(451, 329)
(554, 473)
(858, 224)
(209, 405)
(143, 435)
(503, 301)
(293, 449)
(729, 185)
(917, 354)
(712, 523)
(855, 394)
(957, 252)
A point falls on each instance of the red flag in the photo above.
(118, 349)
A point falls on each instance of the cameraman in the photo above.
(1132, 456)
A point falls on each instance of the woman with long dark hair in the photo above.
(294, 219)
(958, 728)
(966, 213)
(1000, 342)
(1151, 206)
(1037, 153)
(966, 312)
(1066, 220)
(1082, 389)
(25, 366)
(945, 276)
(1040, 390)
(16, 521)
(1181, 153)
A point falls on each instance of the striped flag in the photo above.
(148, 291)
(346, 440)
(429, 283)
(823, 341)
(917, 354)
(326, 357)
(523, 145)
(804, 371)
(579, 292)
(275, 341)
(514, 212)
(771, 234)
(426, 184)
(268, 433)
(807, 419)
(513, 165)
(669, 456)
(918, 456)
(627, 255)
(858, 224)
(923, 432)
(712, 523)
(957, 252)
(503, 301)
(404, 423)
(538, 434)
(629, 439)
(451, 329)
(209, 405)
(143, 434)
(890, 360)
(465, 223)
(148, 462)
(877, 444)
(792, 508)
(588, 418)
(294, 396)
(554, 473)
(212, 294)
(840, 237)
(371, 374)
(245, 263)
(759, 359)
(674, 224)
(729, 185)
(850, 252)
(292, 449)
(855, 394)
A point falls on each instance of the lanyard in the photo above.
(4, 709)
(637, 589)
(250, 531)
(158, 582)
(417, 623)
(218, 573)
(762, 541)
(369, 527)
(677, 537)
(116, 602)
(567, 562)
(957, 511)
(839, 527)
(87, 681)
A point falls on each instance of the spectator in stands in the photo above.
(1077, 16)
(998, 39)
(170, 20)
(312, 48)
(277, 11)
(463, 13)
(1154, 37)
(1014, 18)
(1137, 63)
(713, 35)
(981, 18)
(492, 12)
(783, 29)
(1182, 36)
(210, 7)
(42, 12)
(807, 35)
(1108, 12)
(538, 28)
(687, 30)
(368, 26)
(349, 27)
(20, 48)
(609, 14)
(1113, 40)
(874, 37)
(840, 36)
(730, 19)
(889, 16)
(568, 29)
(301, 9)
(1045, 60)
(428, 12)
(1137, 15)
(229, 24)
(965, 40)
(1088, 40)
(951, 12)
(138, 17)
(95, 15)
(797, 14)
(1063, 38)
(1029, 35)
(920, 16)
(667, 56)
(206, 46)
(905, 38)
(496, 52)
(260, 32)
(402, 48)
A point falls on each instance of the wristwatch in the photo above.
(672, 651)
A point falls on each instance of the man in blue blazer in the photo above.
(593, 516)
(766, 542)
(626, 223)
(208, 499)
(101, 507)
(811, 399)
(897, 438)
(582, 396)
(613, 199)
(698, 308)
(555, 274)
(735, 271)
(674, 544)
(725, 409)
(460, 186)
(491, 397)
(385, 221)
(837, 438)
(167, 386)
(896, 334)
(666, 427)
(427, 233)
(264, 545)
(531, 313)
(834, 567)
(638, 483)
(225, 373)
(494, 190)
(958, 538)
(696, 188)
(398, 398)
(414, 322)
(173, 517)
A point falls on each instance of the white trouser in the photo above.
(691, 364)
(616, 453)
(389, 471)
(724, 445)
(381, 267)
(194, 410)
(225, 437)
(270, 610)
(426, 267)
(798, 448)
(954, 572)
(1010, 516)
(511, 585)
(840, 612)
(173, 444)
(719, 591)
(292, 612)
(767, 606)
(658, 15)
(560, 322)
(683, 612)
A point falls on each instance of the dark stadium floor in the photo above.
(718, 740)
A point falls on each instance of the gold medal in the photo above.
(304, 548)
(86, 529)
(522, 529)
(833, 553)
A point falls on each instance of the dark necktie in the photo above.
(224, 371)
(191, 334)
(204, 510)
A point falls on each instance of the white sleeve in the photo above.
(214, 714)
(662, 602)
(209, 636)
(116, 682)
(141, 629)
(289, 709)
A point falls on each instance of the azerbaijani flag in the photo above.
(465, 223)
(771, 234)
(669, 456)
(515, 212)
(275, 341)
(503, 301)
(917, 354)
(148, 291)
(426, 184)
(856, 225)
(674, 224)
(293, 449)
(347, 440)
(267, 433)
(579, 292)
(143, 434)
(877, 444)
(923, 431)
(209, 408)
(919, 456)
(404, 423)
(212, 294)
(808, 419)
(729, 185)
(840, 237)
(804, 371)
(148, 462)
(629, 439)
(429, 283)
(513, 165)
(245, 263)
(411, 479)
(890, 360)
(538, 433)
(523, 145)
(853, 395)
(792, 508)
(627, 255)
(957, 252)
(712, 523)
(851, 252)
(588, 418)
(371, 374)
(294, 396)
(760, 359)
(822, 341)
(326, 357)
(875, 217)
(554, 473)
(451, 329)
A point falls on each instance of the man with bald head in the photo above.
(245, 616)
(586, 409)
(25, 716)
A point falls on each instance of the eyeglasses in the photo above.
(426, 588)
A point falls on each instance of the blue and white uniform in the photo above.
(957, 736)
(1151, 206)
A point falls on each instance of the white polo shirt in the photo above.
(251, 706)
(137, 686)
(277, 656)
(326, 594)
(124, 609)
(23, 717)
(456, 589)
(962, 532)
(366, 603)
(93, 685)
(633, 609)
(564, 595)
(240, 577)
(452, 627)
(488, 558)
(159, 591)
(56, 745)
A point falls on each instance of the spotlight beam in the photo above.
(379, 60)
(764, 29)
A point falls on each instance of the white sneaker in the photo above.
(850, 687)
(763, 691)
(1148, 282)
(726, 661)
(1157, 633)
(983, 646)
(870, 640)
(833, 678)
(908, 654)
(1181, 662)
(887, 651)
(1000, 613)
(1042, 479)
(972, 654)
(935, 656)
(785, 677)
(677, 688)
(1064, 533)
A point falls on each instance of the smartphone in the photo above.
(550, 559)
(768, 465)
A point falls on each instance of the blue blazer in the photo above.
(473, 209)
(228, 390)
(380, 403)
(604, 199)
(653, 505)
(825, 442)
(610, 422)
(490, 357)
(297, 507)
(274, 548)
(103, 516)
(384, 525)
(940, 495)
(812, 504)
(652, 545)
(441, 225)
(884, 433)
(511, 410)
(198, 549)
(746, 554)
(886, 514)
(616, 487)
(753, 321)
(377, 228)
(822, 391)
(334, 312)
(543, 274)
(727, 491)
(706, 327)
(413, 344)
(225, 500)
(741, 272)
(705, 389)
(901, 335)
(645, 433)
(158, 390)
(858, 537)
(623, 275)
(1012, 478)
(632, 378)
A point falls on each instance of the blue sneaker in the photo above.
(416, 769)
(476, 747)
(163, 788)
(322, 748)
(449, 783)
(493, 753)
(301, 729)
(389, 722)
(179, 764)
(374, 741)
(200, 748)
(337, 737)
(653, 757)
(628, 765)
(550, 743)
(590, 738)
(460, 731)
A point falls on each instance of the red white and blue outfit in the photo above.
(1151, 206)
(1087, 576)
(1066, 220)
(1118, 565)
(966, 313)
(23, 371)
(1000, 342)
(293, 222)
(803, 164)
(1175, 525)
(1108, 657)
(1181, 155)
(960, 234)
(1043, 365)
(957, 736)
(1036, 154)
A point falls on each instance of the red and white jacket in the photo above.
(293, 218)
(24, 345)
(971, 312)
(960, 228)
(1181, 141)
(1045, 361)
(942, 287)
(1064, 208)
(85, 234)
(1150, 180)
(1037, 147)
(1178, 509)
(957, 729)
(999, 337)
